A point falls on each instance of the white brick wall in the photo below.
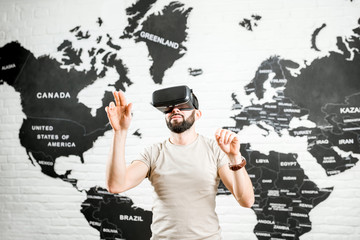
(34, 206)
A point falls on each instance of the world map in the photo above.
(325, 92)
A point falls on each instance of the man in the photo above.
(185, 171)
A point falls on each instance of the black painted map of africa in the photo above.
(327, 92)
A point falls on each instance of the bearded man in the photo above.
(185, 170)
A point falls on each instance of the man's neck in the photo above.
(185, 138)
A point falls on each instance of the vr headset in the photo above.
(181, 97)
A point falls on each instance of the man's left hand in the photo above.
(228, 141)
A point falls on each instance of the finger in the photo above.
(227, 136)
(117, 99)
(222, 135)
(232, 137)
(111, 105)
(128, 109)
(122, 98)
(107, 112)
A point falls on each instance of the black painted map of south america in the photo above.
(115, 216)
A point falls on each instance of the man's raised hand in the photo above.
(119, 113)
(228, 141)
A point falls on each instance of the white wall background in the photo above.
(34, 206)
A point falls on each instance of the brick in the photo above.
(3, 159)
(41, 12)
(6, 167)
(9, 190)
(78, 222)
(39, 30)
(26, 12)
(59, 222)
(2, 35)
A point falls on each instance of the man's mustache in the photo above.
(176, 114)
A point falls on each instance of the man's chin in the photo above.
(180, 120)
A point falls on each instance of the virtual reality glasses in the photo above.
(181, 97)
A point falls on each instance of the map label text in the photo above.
(131, 218)
(345, 110)
(158, 39)
(61, 95)
(7, 67)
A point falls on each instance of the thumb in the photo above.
(217, 134)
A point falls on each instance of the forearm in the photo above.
(242, 187)
(116, 165)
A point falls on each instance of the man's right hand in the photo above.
(119, 113)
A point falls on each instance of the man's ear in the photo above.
(198, 114)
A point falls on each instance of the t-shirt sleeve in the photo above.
(145, 157)
(221, 157)
(222, 160)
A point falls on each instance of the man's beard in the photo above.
(183, 126)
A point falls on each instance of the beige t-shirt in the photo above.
(185, 180)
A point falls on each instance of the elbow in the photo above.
(113, 189)
(247, 203)
(114, 185)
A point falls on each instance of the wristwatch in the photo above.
(236, 167)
